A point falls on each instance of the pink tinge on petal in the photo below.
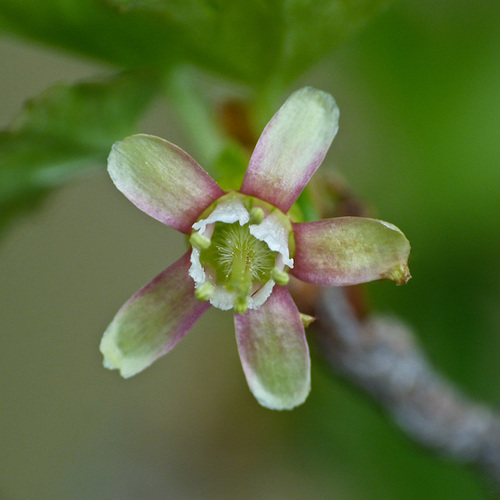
(349, 250)
(153, 321)
(291, 148)
(162, 180)
(274, 352)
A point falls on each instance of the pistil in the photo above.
(240, 279)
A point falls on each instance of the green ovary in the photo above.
(238, 260)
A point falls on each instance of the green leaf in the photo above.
(259, 40)
(314, 28)
(240, 39)
(92, 28)
(65, 131)
(261, 43)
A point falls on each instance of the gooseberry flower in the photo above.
(243, 246)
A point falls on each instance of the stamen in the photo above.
(199, 241)
(306, 319)
(256, 215)
(204, 292)
(281, 278)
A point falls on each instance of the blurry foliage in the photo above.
(64, 131)
(249, 40)
(424, 151)
(435, 169)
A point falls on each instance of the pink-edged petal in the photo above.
(153, 321)
(292, 147)
(350, 250)
(274, 352)
(162, 180)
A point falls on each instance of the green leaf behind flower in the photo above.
(63, 132)
(252, 41)
(92, 28)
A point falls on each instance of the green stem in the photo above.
(195, 113)
(267, 101)
(306, 206)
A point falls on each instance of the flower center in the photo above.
(238, 259)
(240, 250)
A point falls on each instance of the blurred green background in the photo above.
(419, 94)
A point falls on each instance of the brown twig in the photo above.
(381, 356)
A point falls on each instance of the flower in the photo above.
(243, 247)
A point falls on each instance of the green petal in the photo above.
(350, 250)
(292, 147)
(153, 321)
(162, 180)
(274, 352)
